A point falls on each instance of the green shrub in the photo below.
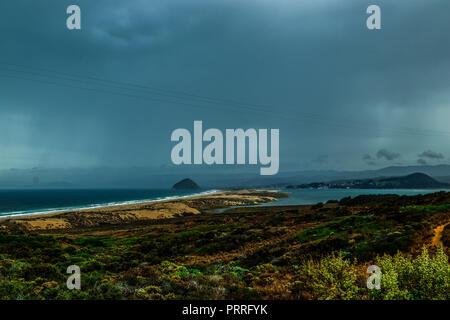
(106, 291)
(15, 290)
(41, 270)
(333, 277)
(93, 242)
(425, 277)
(242, 293)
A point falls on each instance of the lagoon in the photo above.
(312, 196)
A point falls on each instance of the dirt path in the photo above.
(436, 241)
(247, 249)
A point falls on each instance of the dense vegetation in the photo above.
(318, 252)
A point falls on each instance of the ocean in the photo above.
(28, 202)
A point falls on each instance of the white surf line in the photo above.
(15, 214)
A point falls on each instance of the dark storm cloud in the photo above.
(310, 68)
(369, 160)
(387, 155)
(421, 161)
(431, 155)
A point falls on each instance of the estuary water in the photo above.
(312, 196)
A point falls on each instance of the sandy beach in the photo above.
(122, 214)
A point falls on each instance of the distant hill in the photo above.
(208, 177)
(431, 170)
(415, 180)
(185, 184)
(412, 181)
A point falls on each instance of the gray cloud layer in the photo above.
(310, 68)
(431, 155)
(387, 155)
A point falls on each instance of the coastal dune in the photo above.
(133, 213)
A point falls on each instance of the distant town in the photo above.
(412, 181)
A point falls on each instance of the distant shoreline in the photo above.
(16, 214)
(138, 212)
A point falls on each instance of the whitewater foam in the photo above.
(24, 213)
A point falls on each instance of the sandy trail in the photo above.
(436, 241)
(246, 249)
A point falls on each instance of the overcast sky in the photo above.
(343, 97)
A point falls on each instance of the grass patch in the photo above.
(426, 208)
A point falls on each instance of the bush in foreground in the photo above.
(426, 277)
